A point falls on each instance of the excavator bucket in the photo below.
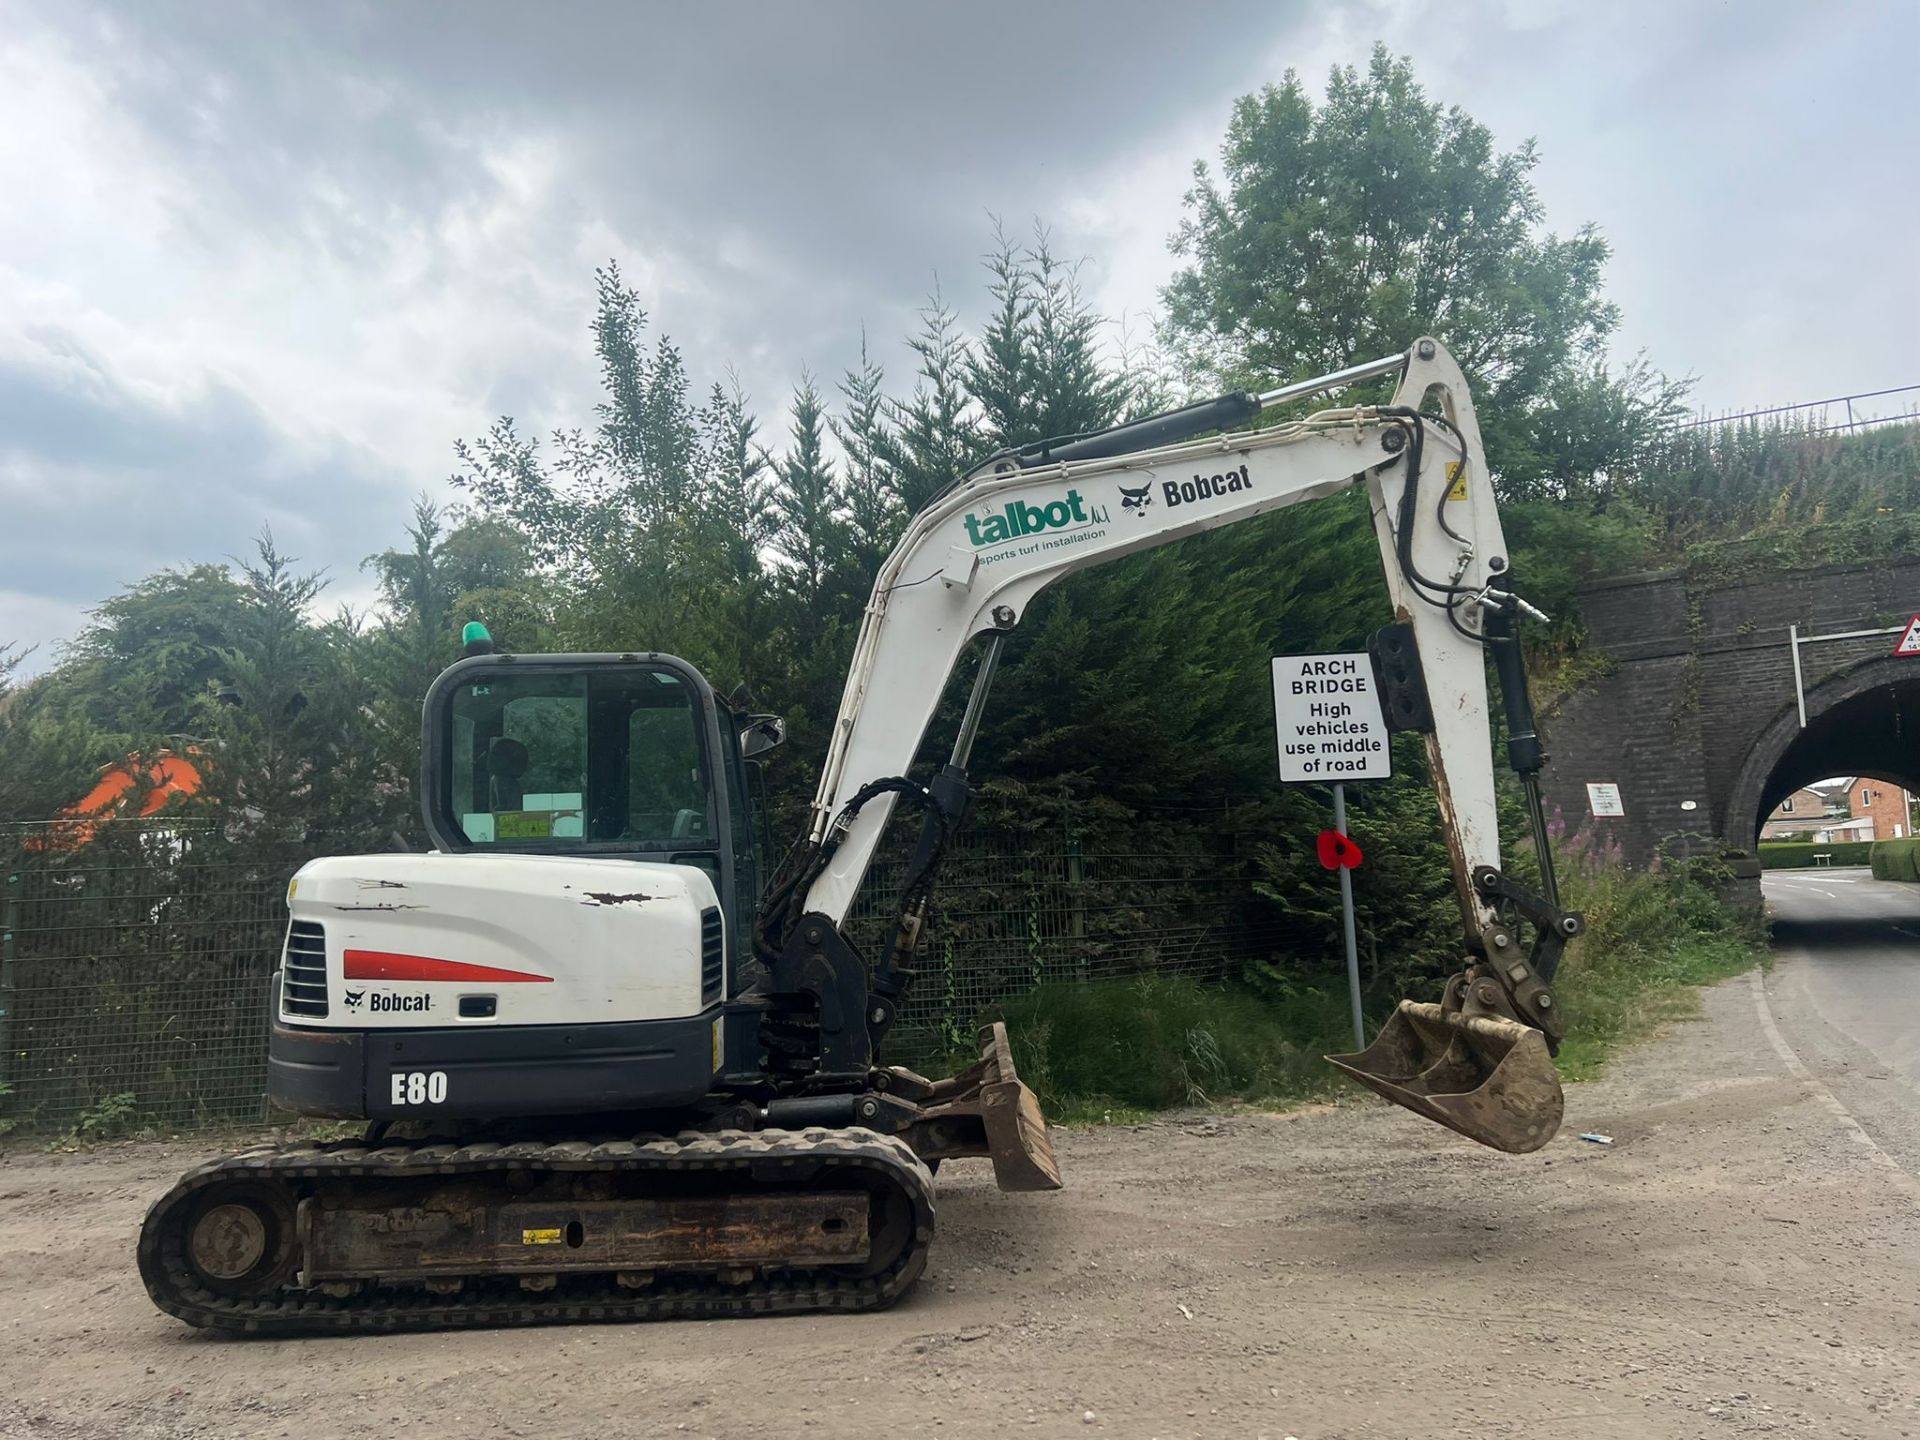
(1489, 1078)
(987, 1110)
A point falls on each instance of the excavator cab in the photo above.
(626, 756)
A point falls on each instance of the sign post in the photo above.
(1331, 730)
(1346, 919)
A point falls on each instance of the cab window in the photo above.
(603, 758)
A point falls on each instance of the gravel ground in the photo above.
(1741, 1261)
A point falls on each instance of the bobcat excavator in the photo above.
(634, 1081)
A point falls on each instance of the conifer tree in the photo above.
(47, 758)
(743, 483)
(811, 535)
(869, 490)
(418, 638)
(1074, 388)
(1002, 371)
(935, 435)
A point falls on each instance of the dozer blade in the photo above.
(1490, 1079)
(1017, 1136)
(987, 1110)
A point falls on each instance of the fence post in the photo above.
(1076, 889)
(9, 915)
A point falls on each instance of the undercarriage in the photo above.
(389, 1234)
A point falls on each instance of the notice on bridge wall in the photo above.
(1603, 799)
(1331, 726)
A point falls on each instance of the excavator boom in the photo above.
(973, 561)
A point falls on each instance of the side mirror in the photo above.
(760, 734)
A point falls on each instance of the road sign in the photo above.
(1604, 799)
(1328, 711)
(1909, 638)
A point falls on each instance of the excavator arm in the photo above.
(972, 562)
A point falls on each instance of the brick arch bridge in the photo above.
(1697, 702)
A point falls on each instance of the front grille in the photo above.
(713, 957)
(303, 971)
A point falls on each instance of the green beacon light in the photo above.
(475, 638)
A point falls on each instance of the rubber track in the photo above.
(578, 1297)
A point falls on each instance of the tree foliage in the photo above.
(1336, 232)
(48, 752)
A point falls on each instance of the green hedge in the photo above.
(1798, 854)
(1896, 859)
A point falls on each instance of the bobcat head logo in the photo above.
(354, 997)
(1136, 500)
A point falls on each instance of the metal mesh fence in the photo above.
(134, 963)
(133, 974)
(1016, 913)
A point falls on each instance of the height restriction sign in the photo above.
(1328, 710)
(1909, 638)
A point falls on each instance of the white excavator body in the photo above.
(640, 1080)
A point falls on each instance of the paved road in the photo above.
(1846, 994)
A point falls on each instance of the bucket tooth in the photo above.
(1488, 1078)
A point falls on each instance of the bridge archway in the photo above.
(1861, 721)
(1689, 722)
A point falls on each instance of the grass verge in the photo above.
(1117, 1050)
(1652, 939)
(1611, 1010)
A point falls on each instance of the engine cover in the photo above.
(427, 941)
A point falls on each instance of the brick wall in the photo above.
(1699, 704)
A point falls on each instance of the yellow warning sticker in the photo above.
(716, 1044)
(523, 824)
(540, 1237)
(1456, 480)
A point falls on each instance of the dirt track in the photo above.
(1739, 1262)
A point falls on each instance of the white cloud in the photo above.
(274, 260)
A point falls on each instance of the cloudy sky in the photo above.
(265, 263)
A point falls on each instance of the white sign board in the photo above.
(1909, 638)
(1604, 799)
(1329, 715)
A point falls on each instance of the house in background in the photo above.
(1810, 813)
(1844, 808)
(1887, 808)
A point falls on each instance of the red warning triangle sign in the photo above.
(1909, 638)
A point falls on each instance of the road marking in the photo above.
(1902, 1181)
